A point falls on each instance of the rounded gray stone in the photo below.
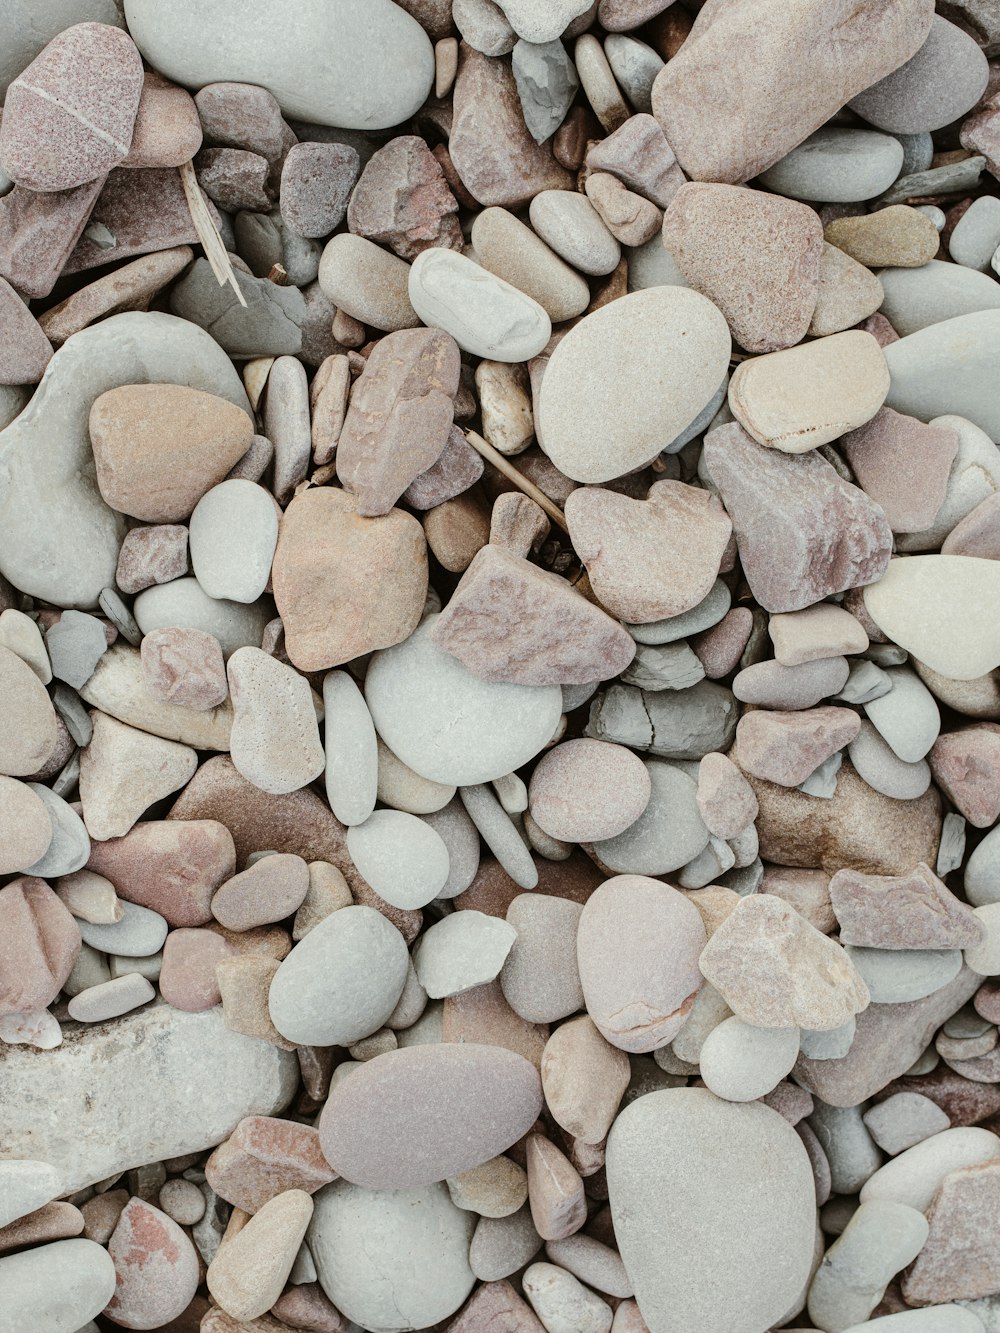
(907, 717)
(400, 856)
(69, 849)
(139, 934)
(184, 604)
(463, 950)
(55, 1288)
(897, 976)
(667, 835)
(351, 749)
(232, 535)
(461, 837)
(837, 166)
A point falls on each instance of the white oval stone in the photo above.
(351, 749)
(741, 1063)
(400, 856)
(714, 1210)
(232, 535)
(358, 64)
(55, 1288)
(25, 1186)
(937, 291)
(485, 315)
(449, 725)
(627, 380)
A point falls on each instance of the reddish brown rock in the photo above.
(143, 472)
(484, 1017)
(184, 667)
(307, 1306)
(457, 469)
(403, 201)
(797, 69)
(152, 555)
(755, 255)
(167, 130)
(518, 523)
(269, 890)
(978, 533)
(400, 414)
(911, 911)
(345, 585)
(187, 974)
(457, 530)
(653, 558)
(242, 115)
(24, 349)
(631, 219)
(808, 891)
(555, 1190)
(130, 287)
(39, 943)
(495, 1307)
(156, 1268)
(53, 1221)
(234, 179)
(144, 210)
(316, 183)
(720, 648)
(38, 231)
(962, 1100)
(490, 145)
(787, 747)
(265, 1156)
(639, 155)
(981, 133)
(170, 866)
(966, 766)
(508, 620)
(68, 117)
(903, 465)
(802, 531)
(960, 1260)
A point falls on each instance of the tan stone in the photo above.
(29, 734)
(555, 1190)
(250, 1270)
(25, 827)
(456, 530)
(894, 237)
(123, 771)
(510, 249)
(275, 740)
(263, 1157)
(848, 293)
(631, 219)
(244, 982)
(584, 1078)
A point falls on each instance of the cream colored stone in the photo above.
(123, 771)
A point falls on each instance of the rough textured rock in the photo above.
(156, 1267)
(903, 465)
(403, 200)
(912, 911)
(959, 1259)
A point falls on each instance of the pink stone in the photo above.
(495, 1307)
(144, 209)
(39, 230)
(586, 790)
(151, 555)
(966, 766)
(912, 911)
(802, 531)
(24, 349)
(269, 890)
(307, 1306)
(960, 1260)
(457, 469)
(978, 533)
(903, 465)
(787, 747)
(555, 1190)
(184, 666)
(187, 973)
(639, 155)
(725, 799)
(68, 117)
(167, 129)
(242, 115)
(316, 183)
(39, 943)
(170, 866)
(265, 1156)
(720, 648)
(235, 179)
(403, 201)
(156, 1268)
(981, 133)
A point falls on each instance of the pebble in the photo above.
(563, 1304)
(184, 668)
(402, 858)
(771, 685)
(341, 982)
(910, 912)
(904, 1119)
(915, 1175)
(880, 1239)
(848, 293)
(894, 237)
(586, 791)
(749, 1222)
(631, 219)
(904, 466)
(540, 978)
(571, 225)
(275, 740)
(584, 1079)
(906, 717)
(25, 826)
(957, 1258)
(932, 372)
(250, 1269)
(137, 932)
(461, 951)
(976, 235)
(57, 1287)
(329, 559)
(366, 282)
(667, 835)
(898, 976)
(187, 975)
(837, 165)
(267, 891)
(25, 1186)
(233, 533)
(263, 1158)
(351, 750)
(786, 747)
(514, 253)
(917, 298)
(124, 771)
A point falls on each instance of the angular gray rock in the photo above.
(546, 82)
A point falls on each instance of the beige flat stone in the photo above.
(275, 740)
(250, 1270)
(117, 688)
(123, 771)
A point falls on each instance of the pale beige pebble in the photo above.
(649, 559)
(22, 636)
(572, 226)
(145, 474)
(244, 983)
(275, 741)
(25, 827)
(328, 399)
(587, 790)
(510, 249)
(183, 1201)
(328, 892)
(808, 891)
(563, 1304)
(984, 958)
(848, 293)
(255, 375)
(584, 1079)
(445, 65)
(269, 890)
(978, 697)
(184, 667)
(555, 1190)
(593, 1262)
(505, 404)
(90, 897)
(599, 83)
(402, 789)
(250, 1269)
(932, 605)
(894, 237)
(518, 523)
(130, 287)
(377, 1044)
(776, 970)
(111, 999)
(167, 130)
(707, 1012)
(799, 398)
(497, 1188)
(714, 903)
(123, 771)
(369, 283)
(725, 799)
(29, 736)
(631, 219)
(819, 631)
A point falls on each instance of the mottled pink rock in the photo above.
(143, 209)
(787, 747)
(755, 255)
(771, 685)
(402, 200)
(509, 620)
(960, 1260)
(457, 469)
(130, 287)
(797, 66)
(720, 648)
(171, 866)
(269, 890)
(242, 115)
(24, 349)
(816, 634)
(638, 948)
(265, 1156)
(631, 219)
(518, 523)
(496, 1306)
(167, 130)
(151, 555)
(400, 414)
(802, 531)
(639, 155)
(978, 533)
(966, 766)
(39, 943)
(68, 117)
(555, 1190)
(903, 465)
(981, 133)
(911, 911)
(653, 558)
(38, 232)
(586, 790)
(156, 1268)
(235, 179)
(490, 145)
(187, 974)
(184, 666)
(725, 799)
(316, 183)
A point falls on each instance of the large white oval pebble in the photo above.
(232, 535)
(402, 858)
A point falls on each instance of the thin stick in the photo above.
(208, 234)
(511, 473)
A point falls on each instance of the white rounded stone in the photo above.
(400, 856)
(742, 1063)
(351, 749)
(232, 535)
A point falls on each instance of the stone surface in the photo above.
(756, 256)
(912, 911)
(41, 942)
(167, 131)
(151, 555)
(601, 373)
(31, 738)
(400, 856)
(893, 237)
(786, 747)
(801, 55)
(541, 978)
(510, 249)
(403, 200)
(184, 667)
(585, 790)
(958, 1260)
(156, 1267)
(233, 533)
(839, 163)
(169, 867)
(941, 369)
(367, 282)
(903, 466)
(802, 531)
(25, 350)
(54, 1287)
(966, 766)
(749, 1218)
(326, 560)
(250, 1269)
(123, 771)
(275, 740)
(848, 293)
(316, 183)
